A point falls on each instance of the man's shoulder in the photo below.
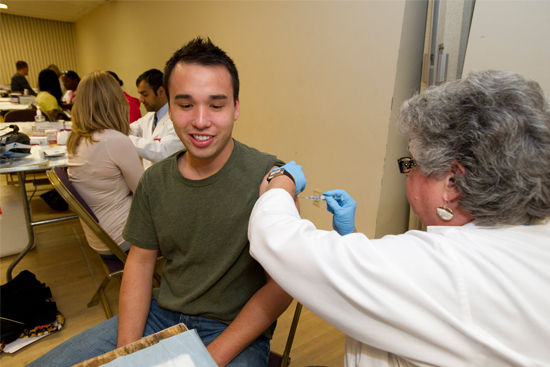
(17, 79)
(250, 151)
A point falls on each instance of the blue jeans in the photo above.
(102, 338)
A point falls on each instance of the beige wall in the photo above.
(317, 79)
(392, 212)
(39, 42)
(513, 36)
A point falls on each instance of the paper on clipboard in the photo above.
(182, 350)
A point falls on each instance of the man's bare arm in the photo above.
(135, 294)
(267, 304)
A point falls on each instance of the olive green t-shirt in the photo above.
(201, 227)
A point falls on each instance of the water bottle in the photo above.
(39, 117)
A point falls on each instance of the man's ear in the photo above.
(161, 92)
(237, 110)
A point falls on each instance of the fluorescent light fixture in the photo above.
(3, 6)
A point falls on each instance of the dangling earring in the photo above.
(445, 212)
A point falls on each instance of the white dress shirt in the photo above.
(451, 296)
(156, 145)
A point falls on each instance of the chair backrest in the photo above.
(60, 181)
(23, 116)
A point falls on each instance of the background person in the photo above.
(49, 97)
(135, 112)
(18, 81)
(58, 72)
(103, 165)
(153, 135)
(472, 290)
(70, 81)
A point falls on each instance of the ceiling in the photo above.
(65, 11)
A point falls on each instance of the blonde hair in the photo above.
(99, 104)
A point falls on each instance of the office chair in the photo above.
(114, 268)
(23, 116)
(277, 360)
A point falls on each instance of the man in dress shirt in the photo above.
(153, 134)
(18, 81)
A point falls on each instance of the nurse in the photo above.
(470, 291)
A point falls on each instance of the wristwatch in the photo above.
(278, 172)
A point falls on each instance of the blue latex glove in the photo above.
(343, 221)
(299, 177)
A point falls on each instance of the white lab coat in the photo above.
(154, 146)
(452, 296)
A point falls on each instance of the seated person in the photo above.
(103, 165)
(59, 77)
(70, 81)
(18, 81)
(135, 112)
(49, 97)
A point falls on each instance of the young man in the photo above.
(18, 81)
(153, 135)
(194, 206)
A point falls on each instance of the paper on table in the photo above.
(57, 151)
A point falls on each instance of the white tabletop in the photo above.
(8, 106)
(35, 161)
(27, 127)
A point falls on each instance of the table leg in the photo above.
(28, 219)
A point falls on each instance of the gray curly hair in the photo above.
(497, 125)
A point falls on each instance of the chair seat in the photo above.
(113, 265)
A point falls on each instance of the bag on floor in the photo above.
(54, 200)
(24, 305)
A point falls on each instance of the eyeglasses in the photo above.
(406, 164)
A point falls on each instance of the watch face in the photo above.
(275, 173)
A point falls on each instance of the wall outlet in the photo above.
(316, 193)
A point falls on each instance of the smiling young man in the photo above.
(194, 206)
(153, 134)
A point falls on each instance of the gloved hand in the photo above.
(299, 177)
(343, 221)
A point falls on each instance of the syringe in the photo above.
(323, 197)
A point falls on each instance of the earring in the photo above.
(445, 212)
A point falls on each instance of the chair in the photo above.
(23, 116)
(114, 268)
(277, 360)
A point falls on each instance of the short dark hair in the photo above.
(49, 82)
(71, 74)
(113, 74)
(205, 53)
(153, 77)
(21, 65)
